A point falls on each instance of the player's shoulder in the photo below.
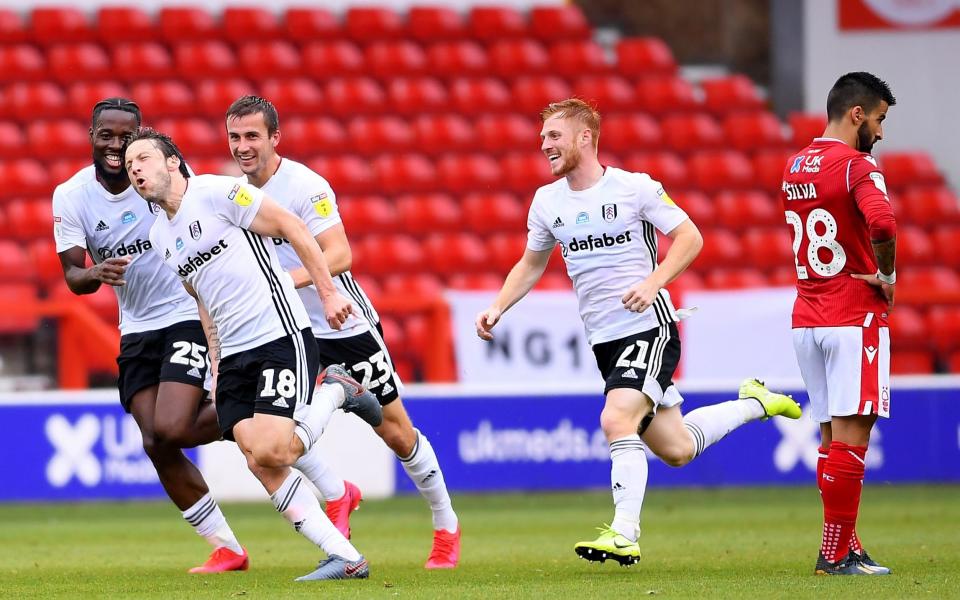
(638, 184)
(78, 183)
(549, 191)
(304, 176)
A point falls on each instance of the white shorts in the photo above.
(846, 370)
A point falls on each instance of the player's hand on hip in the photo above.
(336, 309)
(886, 289)
(111, 271)
(485, 322)
(640, 296)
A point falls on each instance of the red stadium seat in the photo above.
(61, 170)
(354, 95)
(416, 95)
(12, 141)
(412, 285)
(15, 263)
(447, 254)
(630, 133)
(768, 167)
(946, 241)
(930, 206)
(44, 261)
(332, 58)
(459, 173)
(273, 58)
(783, 276)
(686, 133)
(531, 94)
(719, 170)
(609, 93)
(514, 58)
(492, 23)
(731, 94)
(202, 60)
(196, 137)
(369, 24)
(122, 24)
(78, 62)
(436, 134)
(504, 250)
(902, 169)
(928, 285)
(421, 214)
(645, 57)
(390, 254)
(302, 136)
(347, 173)
(304, 25)
(953, 363)
(457, 58)
(697, 205)
(294, 97)
(62, 138)
(908, 330)
(942, 328)
(721, 249)
(914, 246)
(41, 100)
(753, 131)
(145, 60)
(505, 133)
(214, 96)
(484, 280)
(743, 209)
(21, 62)
(494, 212)
(30, 219)
(246, 25)
(215, 166)
(398, 173)
(187, 23)
(911, 362)
(471, 96)
(82, 96)
(735, 278)
(667, 95)
(103, 302)
(553, 281)
(550, 23)
(13, 30)
(573, 58)
(160, 99)
(400, 58)
(665, 167)
(805, 127)
(769, 248)
(524, 172)
(12, 294)
(435, 23)
(366, 214)
(58, 25)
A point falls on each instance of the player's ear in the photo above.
(856, 113)
(173, 163)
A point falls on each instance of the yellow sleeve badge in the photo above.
(322, 205)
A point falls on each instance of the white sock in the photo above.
(301, 508)
(710, 424)
(320, 474)
(628, 480)
(424, 470)
(327, 398)
(210, 524)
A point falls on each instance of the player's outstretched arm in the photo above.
(83, 280)
(686, 245)
(523, 276)
(275, 221)
(336, 251)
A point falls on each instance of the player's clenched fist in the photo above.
(336, 309)
(485, 322)
(640, 296)
(111, 271)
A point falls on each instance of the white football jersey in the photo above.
(308, 195)
(234, 271)
(86, 215)
(606, 234)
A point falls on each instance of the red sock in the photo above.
(840, 487)
(822, 453)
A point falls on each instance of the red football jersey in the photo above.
(831, 195)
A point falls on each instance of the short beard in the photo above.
(865, 139)
(161, 191)
(570, 162)
(108, 177)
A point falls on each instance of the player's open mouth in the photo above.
(246, 158)
(112, 160)
(140, 181)
(553, 158)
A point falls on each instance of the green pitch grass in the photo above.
(750, 543)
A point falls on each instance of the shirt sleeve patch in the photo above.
(878, 181)
(240, 196)
(322, 205)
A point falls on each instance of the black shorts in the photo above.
(629, 362)
(276, 378)
(366, 356)
(175, 353)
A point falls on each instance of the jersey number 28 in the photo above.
(828, 240)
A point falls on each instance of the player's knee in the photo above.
(271, 456)
(173, 434)
(615, 424)
(676, 455)
(398, 438)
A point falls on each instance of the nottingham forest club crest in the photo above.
(609, 213)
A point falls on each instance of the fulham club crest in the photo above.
(195, 230)
(609, 213)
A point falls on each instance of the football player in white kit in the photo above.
(253, 130)
(162, 346)
(604, 218)
(212, 233)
